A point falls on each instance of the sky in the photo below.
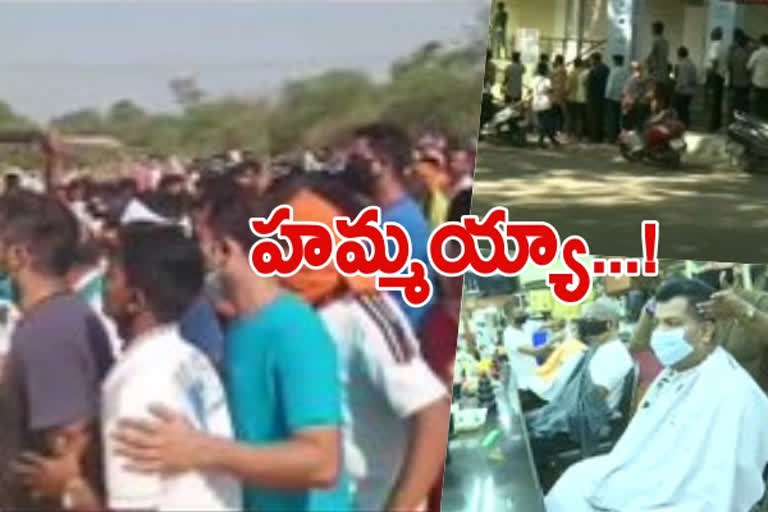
(57, 57)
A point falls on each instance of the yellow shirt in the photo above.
(551, 367)
(438, 208)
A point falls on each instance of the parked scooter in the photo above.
(510, 124)
(747, 145)
(662, 144)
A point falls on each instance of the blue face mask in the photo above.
(670, 346)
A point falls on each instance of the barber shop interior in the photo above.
(648, 395)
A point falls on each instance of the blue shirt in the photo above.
(200, 327)
(7, 290)
(283, 377)
(407, 213)
(617, 80)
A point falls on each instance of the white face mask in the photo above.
(670, 346)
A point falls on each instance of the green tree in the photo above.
(84, 121)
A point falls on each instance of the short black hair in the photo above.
(165, 265)
(515, 56)
(387, 142)
(88, 253)
(12, 181)
(597, 56)
(740, 37)
(45, 225)
(618, 60)
(693, 290)
(229, 216)
(658, 28)
(460, 206)
(559, 59)
(170, 180)
(578, 62)
(682, 52)
(325, 185)
(165, 204)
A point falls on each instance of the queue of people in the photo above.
(590, 101)
(742, 70)
(151, 369)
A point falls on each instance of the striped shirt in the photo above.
(387, 381)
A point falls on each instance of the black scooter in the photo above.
(747, 145)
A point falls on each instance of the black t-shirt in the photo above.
(60, 353)
(501, 20)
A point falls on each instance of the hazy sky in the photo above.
(59, 56)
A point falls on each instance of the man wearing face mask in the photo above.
(518, 341)
(699, 440)
(589, 400)
(377, 170)
(741, 320)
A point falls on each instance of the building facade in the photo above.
(572, 27)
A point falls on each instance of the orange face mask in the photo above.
(317, 285)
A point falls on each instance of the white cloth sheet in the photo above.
(698, 443)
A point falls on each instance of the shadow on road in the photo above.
(706, 212)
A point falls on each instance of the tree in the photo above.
(125, 111)
(186, 91)
(436, 86)
(323, 99)
(84, 121)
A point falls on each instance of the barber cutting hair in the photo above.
(698, 442)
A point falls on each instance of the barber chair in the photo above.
(562, 452)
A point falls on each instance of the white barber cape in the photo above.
(698, 443)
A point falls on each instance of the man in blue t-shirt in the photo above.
(284, 386)
(378, 161)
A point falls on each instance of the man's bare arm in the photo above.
(311, 459)
(425, 456)
(757, 325)
(641, 336)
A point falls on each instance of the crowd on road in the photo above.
(146, 367)
(591, 101)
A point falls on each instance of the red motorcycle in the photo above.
(662, 143)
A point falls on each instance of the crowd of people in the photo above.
(589, 100)
(683, 362)
(149, 368)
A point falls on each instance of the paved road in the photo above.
(706, 211)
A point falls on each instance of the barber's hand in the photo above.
(725, 305)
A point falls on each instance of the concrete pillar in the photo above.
(620, 28)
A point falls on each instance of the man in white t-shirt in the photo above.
(396, 405)
(596, 385)
(758, 66)
(611, 362)
(518, 342)
(150, 285)
(153, 282)
(717, 68)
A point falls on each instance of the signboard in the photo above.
(528, 46)
(620, 27)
